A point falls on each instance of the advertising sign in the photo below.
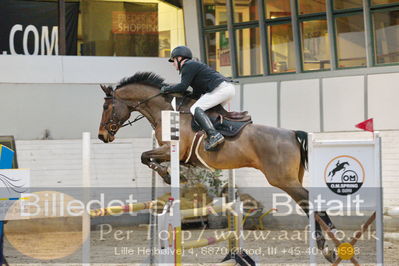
(31, 27)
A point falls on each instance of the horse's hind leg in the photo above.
(323, 215)
(154, 157)
(294, 188)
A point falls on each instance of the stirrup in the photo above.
(218, 139)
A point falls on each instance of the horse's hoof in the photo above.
(320, 242)
(329, 254)
(166, 178)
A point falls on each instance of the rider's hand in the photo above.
(164, 89)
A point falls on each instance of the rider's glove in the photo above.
(165, 89)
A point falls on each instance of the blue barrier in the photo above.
(6, 157)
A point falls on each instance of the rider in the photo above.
(209, 85)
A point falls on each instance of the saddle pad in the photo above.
(227, 128)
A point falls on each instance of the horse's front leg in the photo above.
(154, 157)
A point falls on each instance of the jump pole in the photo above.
(153, 219)
(234, 221)
(171, 219)
(86, 197)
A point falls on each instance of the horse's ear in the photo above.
(108, 90)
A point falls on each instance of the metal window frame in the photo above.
(267, 23)
(201, 31)
(275, 23)
(379, 8)
(253, 26)
(295, 19)
(332, 15)
(331, 35)
(61, 27)
(352, 12)
(302, 19)
(263, 38)
(296, 35)
(232, 37)
(209, 32)
(382, 6)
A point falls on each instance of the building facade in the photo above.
(320, 66)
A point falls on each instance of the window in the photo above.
(130, 28)
(218, 52)
(351, 51)
(273, 44)
(281, 48)
(315, 45)
(245, 10)
(248, 51)
(216, 37)
(311, 6)
(345, 4)
(280, 36)
(277, 8)
(247, 36)
(386, 37)
(382, 2)
(249, 55)
(215, 12)
(349, 36)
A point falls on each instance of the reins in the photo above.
(129, 123)
(114, 124)
(140, 116)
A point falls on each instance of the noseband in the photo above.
(115, 123)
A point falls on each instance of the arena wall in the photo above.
(57, 164)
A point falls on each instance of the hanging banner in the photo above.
(31, 27)
(124, 22)
(135, 30)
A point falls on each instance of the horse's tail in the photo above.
(302, 138)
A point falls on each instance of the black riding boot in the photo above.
(214, 137)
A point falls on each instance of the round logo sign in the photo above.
(344, 175)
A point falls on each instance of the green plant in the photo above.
(213, 180)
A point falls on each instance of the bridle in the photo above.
(114, 124)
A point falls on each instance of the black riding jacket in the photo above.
(199, 76)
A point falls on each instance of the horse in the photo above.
(339, 167)
(280, 154)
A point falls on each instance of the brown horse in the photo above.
(280, 154)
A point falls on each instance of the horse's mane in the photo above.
(147, 78)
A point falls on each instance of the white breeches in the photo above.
(222, 94)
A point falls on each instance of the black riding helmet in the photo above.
(182, 51)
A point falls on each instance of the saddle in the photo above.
(229, 124)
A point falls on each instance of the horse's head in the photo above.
(115, 113)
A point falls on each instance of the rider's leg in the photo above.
(224, 92)
(214, 137)
(221, 94)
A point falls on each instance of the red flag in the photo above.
(366, 125)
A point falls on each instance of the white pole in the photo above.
(379, 208)
(175, 186)
(175, 174)
(153, 218)
(171, 219)
(86, 198)
(312, 221)
(234, 221)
